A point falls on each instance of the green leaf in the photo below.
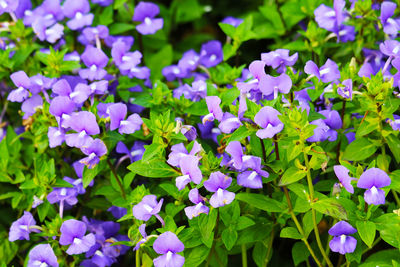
(229, 237)
(156, 62)
(261, 202)
(366, 230)
(359, 149)
(241, 133)
(394, 146)
(382, 258)
(330, 207)
(152, 151)
(153, 169)
(300, 253)
(290, 232)
(388, 226)
(89, 174)
(244, 222)
(260, 251)
(187, 10)
(8, 249)
(196, 256)
(206, 224)
(118, 28)
(291, 175)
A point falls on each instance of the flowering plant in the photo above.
(151, 133)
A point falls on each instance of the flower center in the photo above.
(63, 192)
(147, 208)
(78, 15)
(77, 241)
(252, 175)
(374, 190)
(147, 21)
(169, 256)
(342, 239)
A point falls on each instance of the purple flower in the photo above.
(326, 128)
(123, 59)
(94, 151)
(395, 124)
(267, 118)
(22, 81)
(215, 110)
(327, 73)
(117, 212)
(134, 154)
(79, 95)
(78, 12)
(342, 242)
(147, 208)
(189, 61)
(229, 123)
(390, 26)
(196, 198)
(272, 85)
(211, 54)
(279, 59)
(190, 171)
(30, 105)
(169, 245)
(342, 173)
(146, 12)
(373, 179)
(252, 176)
(117, 113)
(179, 151)
(257, 70)
(8, 6)
(42, 255)
(142, 231)
(73, 234)
(95, 60)
(92, 34)
(390, 48)
(50, 34)
(21, 228)
(85, 124)
(217, 183)
(232, 21)
(346, 91)
(63, 195)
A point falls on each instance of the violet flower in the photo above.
(117, 113)
(63, 195)
(42, 255)
(395, 124)
(342, 173)
(50, 34)
(147, 208)
(22, 81)
(390, 48)
(229, 123)
(179, 151)
(169, 245)
(189, 61)
(92, 35)
(146, 12)
(326, 128)
(190, 171)
(73, 234)
(327, 73)
(30, 105)
(215, 110)
(211, 54)
(346, 91)
(373, 179)
(267, 118)
(134, 154)
(85, 124)
(217, 183)
(257, 70)
(273, 85)
(94, 151)
(79, 95)
(21, 228)
(390, 26)
(232, 21)
(196, 198)
(252, 175)
(342, 242)
(78, 13)
(279, 59)
(95, 60)
(142, 231)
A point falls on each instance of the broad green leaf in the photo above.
(153, 169)
(229, 237)
(291, 175)
(290, 232)
(330, 207)
(394, 146)
(366, 230)
(261, 202)
(382, 258)
(196, 256)
(206, 224)
(300, 253)
(359, 149)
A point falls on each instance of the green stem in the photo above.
(244, 255)
(137, 258)
(314, 215)
(396, 197)
(116, 178)
(271, 242)
(327, 249)
(373, 245)
(299, 228)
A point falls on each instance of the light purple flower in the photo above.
(85, 124)
(279, 59)
(94, 151)
(326, 128)
(346, 91)
(196, 198)
(390, 48)
(8, 6)
(272, 85)
(189, 61)
(169, 245)
(215, 110)
(342, 242)
(327, 73)
(147, 207)
(73, 234)
(267, 118)
(42, 255)
(95, 60)
(117, 113)
(21, 228)
(134, 154)
(78, 13)
(395, 124)
(179, 151)
(142, 231)
(257, 70)
(22, 81)
(229, 123)
(190, 171)
(252, 175)
(373, 179)
(217, 183)
(390, 26)
(232, 21)
(146, 12)
(342, 173)
(30, 105)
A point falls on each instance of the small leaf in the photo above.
(291, 175)
(153, 169)
(261, 202)
(367, 231)
(229, 238)
(290, 232)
